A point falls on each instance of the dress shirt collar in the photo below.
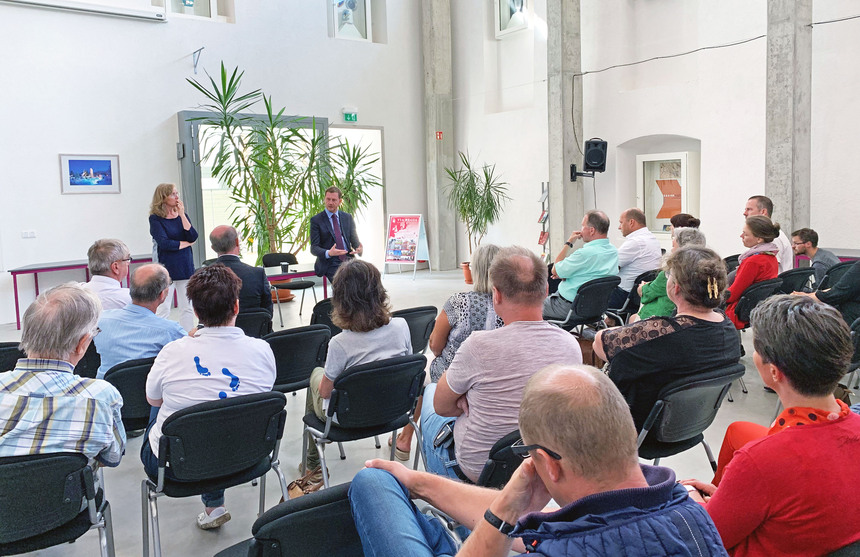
(106, 282)
(639, 232)
(140, 310)
(329, 215)
(230, 255)
(44, 364)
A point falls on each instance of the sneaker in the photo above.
(214, 520)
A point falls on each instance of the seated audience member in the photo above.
(44, 406)
(639, 253)
(844, 295)
(595, 259)
(108, 262)
(360, 307)
(780, 490)
(654, 298)
(475, 402)
(645, 356)
(805, 242)
(463, 313)
(757, 264)
(135, 331)
(579, 449)
(255, 292)
(761, 205)
(684, 220)
(181, 376)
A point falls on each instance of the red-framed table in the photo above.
(57, 266)
(299, 271)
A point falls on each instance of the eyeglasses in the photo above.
(522, 451)
(125, 260)
(797, 243)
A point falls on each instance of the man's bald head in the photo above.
(579, 413)
(148, 282)
(224, 239)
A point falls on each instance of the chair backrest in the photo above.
(297, 352)
(129, 378)
(834, 273)
(686, 407)
(732, 262)
(327, 510)
(321, 315)
(850, 550)
(592, 298)
(256, 322)
(9, 355)
(633, 301)
(222, 437)
(753, 295)
(39, 493)
(501, 463)
(89, 364)
(275, 259)
(376, 393)
(420, 321)
(794, 280)
(855, 339)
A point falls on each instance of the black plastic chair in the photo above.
(297, 352)
(855, 359)
(420, 320)
(322, 316)
(256, 322)
(591, 302)
(684, 409)
(278, 531)
(634, 300)
(89, 364)
(501, 463)
(753, 296)
(732, 262)
(850, 550)
(279, 260)
(129, 378)
(369, 400)
(40, 503)
(215, 445)
(9, 355)
(834, 273)
(795, 280)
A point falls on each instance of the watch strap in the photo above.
(497, 523)
(568, 244)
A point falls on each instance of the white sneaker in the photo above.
(214, 520)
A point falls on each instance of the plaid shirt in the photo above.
(46, 408)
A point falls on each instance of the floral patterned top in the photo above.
(467, 312)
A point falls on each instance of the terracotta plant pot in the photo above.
(467, 272)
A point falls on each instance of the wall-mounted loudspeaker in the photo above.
(595, 155)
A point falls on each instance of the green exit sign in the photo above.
(350, 116)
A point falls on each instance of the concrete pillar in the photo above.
(438, 118)
(564, 96)
(789, 110)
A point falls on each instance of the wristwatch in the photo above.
(497, 523)
(568, 244)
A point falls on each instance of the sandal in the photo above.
(402, 456)
(310, 482)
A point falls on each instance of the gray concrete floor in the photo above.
(181, 537)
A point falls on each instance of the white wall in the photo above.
(85, 84)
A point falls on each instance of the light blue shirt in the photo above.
(597, 258)
(130, 333)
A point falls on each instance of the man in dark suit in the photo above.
(255, 292)
(333, 236)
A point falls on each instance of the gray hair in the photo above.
(808, 341)
(597, 220)
(689, 236)
(58, 319)
(103, 253)
(481, 261)
(699, 273)
(222, 243)
(147, 288)
(519, 275)
(578, 412)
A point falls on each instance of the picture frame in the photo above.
(350, 20)
(510, 16)
(89, 174)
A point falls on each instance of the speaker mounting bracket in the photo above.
(574, 173)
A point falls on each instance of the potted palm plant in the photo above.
(477, 196)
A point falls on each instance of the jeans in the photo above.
(437, 459)
(389, 523)
(150, 466)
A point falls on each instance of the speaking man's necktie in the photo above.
(338, 237)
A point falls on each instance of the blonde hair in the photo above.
(162, 192)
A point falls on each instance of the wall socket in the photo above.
(28, 234)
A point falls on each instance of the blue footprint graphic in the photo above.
(200, 369)
(234, 382)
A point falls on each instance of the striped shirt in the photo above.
(46, 408)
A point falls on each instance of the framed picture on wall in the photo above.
(89, 174)
(350, 19)
(510, 16)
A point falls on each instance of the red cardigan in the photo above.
(753, 269)
(792, 493)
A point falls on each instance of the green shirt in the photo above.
(597, 258)
(655, 300)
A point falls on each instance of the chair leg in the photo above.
(106, 542)
(156, 534)
(657, 461)
(743, 385)
(393, 444)
(419, 446)
(342, 454)
(324, 466)
(376, 439)
(262, 495)
(729, 393)
(314, 292)
(144, 516)
(302, 306)
(276, 466)
(278, 297)
(304, 463)
(710, 455)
